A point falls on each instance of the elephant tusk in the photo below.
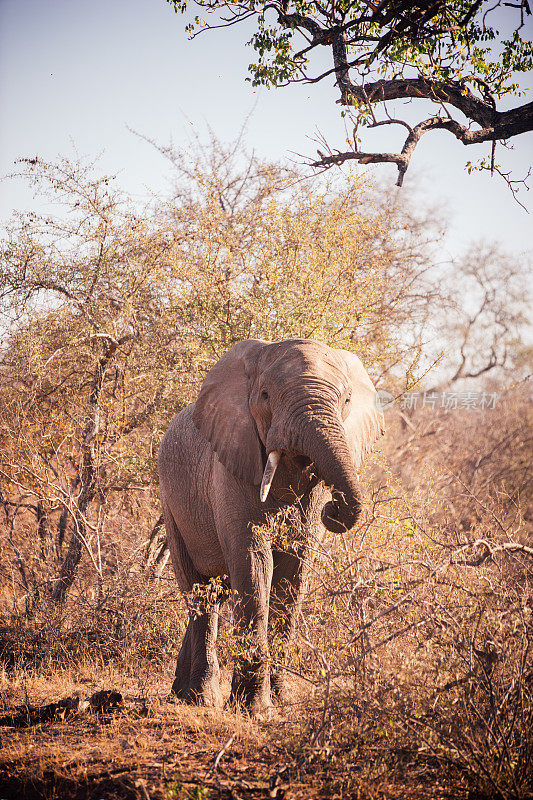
(268, 474)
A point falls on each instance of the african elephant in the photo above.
(275, 425)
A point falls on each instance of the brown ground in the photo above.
(153, 749)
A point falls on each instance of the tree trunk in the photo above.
(87, 478)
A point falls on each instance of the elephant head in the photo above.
(297, 399)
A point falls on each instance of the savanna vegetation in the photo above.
(412, 669)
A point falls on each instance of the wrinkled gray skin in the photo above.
(316, 406)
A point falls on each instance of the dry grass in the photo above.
(156, 748)
(158, 744)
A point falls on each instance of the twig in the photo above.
(219, 755)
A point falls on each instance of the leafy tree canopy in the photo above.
(460, 57)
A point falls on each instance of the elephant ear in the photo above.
(364, 423)
(222, 413)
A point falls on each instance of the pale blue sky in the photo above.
(75, 74)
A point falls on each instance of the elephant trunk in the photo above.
(322, 439)
(334, 465)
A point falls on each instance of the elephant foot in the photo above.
(279, 688)
(259, 708)
(250, 688)
(205, 693)
(261, 711)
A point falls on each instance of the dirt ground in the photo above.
(147, 747)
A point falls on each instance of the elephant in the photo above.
(277, 425)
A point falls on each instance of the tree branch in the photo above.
(380, 91)
(506, 124)
(440, 41)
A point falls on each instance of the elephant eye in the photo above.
(345, 407)
(264, 395)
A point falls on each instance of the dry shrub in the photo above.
(417, 634)
(138, 628)
(127, 616)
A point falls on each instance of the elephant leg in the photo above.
(197, 676)
(288, 588)
(251, 581)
